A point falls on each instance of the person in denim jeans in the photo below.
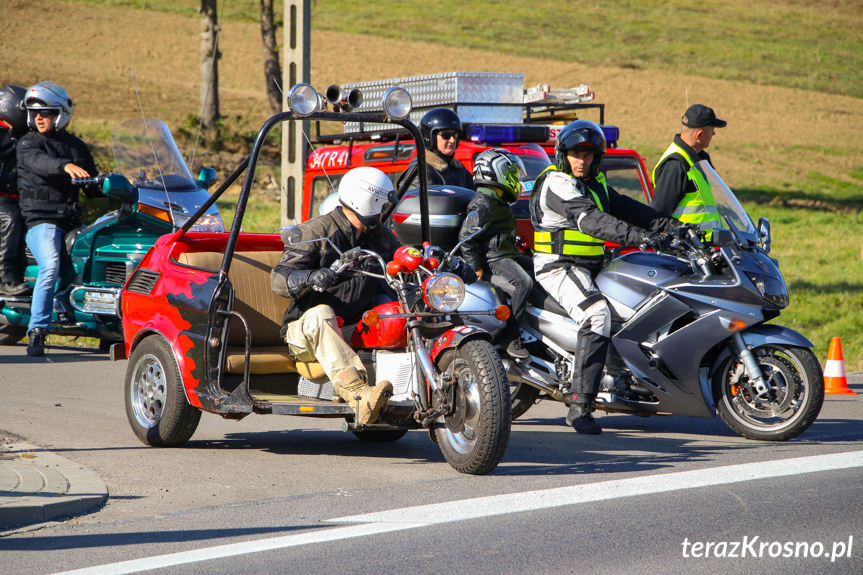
(48, 158)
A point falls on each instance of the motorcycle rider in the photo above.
(574, 211)
(497, 174)
(441, 131)
(13, 125)
(48, 156)
(679, 188)
(310, 327)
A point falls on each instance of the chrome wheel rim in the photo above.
(149, 391)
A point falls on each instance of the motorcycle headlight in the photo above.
(444, 292)
(773, 290)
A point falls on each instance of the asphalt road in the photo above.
(276, 494)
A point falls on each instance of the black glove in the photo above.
(658, 241)
(323, 278)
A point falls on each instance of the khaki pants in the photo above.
(316, 336)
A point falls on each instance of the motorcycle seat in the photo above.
(541, 299)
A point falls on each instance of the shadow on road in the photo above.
(140, 538)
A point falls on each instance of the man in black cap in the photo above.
(680, 189)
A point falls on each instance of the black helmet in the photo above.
(584, 136)
(499, 169)
(436, 120)
(11, 110)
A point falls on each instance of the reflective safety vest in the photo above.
(570, 242)
(696, 207)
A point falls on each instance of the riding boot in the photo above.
(579, 416)
(36, 347)
(351, 386)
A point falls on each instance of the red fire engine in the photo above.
(541, 114)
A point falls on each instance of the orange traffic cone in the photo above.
(835, 382)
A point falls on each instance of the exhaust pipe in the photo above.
(341, 100)
(515, 375)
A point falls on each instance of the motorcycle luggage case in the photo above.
(447, 209)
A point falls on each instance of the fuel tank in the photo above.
(387, 333)
(633, 277)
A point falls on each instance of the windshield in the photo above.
(159, 165)
(727, 204)
(533, 157)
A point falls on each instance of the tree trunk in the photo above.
(209, 88)
(272, 70)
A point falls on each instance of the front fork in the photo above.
(750, 365)
(440, 385)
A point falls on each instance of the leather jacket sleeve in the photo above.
(473, 251)
(639, 214)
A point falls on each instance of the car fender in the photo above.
(179, 356)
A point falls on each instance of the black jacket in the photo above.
(672, 182)
(439, 171)
(353, 293)
(8, 168)
(497, 240)
(46, 191)
(622, 220)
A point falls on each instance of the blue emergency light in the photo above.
(509, 133)
(505, 133)
(612, 134)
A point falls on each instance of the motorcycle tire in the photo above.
(474, 435)
(523, 398)
(793, 400)
(156, 404)
(380, 435)
(11, 334)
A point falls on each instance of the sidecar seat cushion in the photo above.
(262, 309)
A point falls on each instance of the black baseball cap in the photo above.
(698, 116)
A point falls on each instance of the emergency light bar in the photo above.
(509, 133)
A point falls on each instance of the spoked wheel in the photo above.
(11, 334)
(474, 435)
(156, 405)
(789, 405)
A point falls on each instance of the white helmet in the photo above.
(48, 96)
(368, 193)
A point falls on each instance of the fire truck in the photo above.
(496, 111)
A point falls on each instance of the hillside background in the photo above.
(785, 74)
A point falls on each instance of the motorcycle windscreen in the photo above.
(727, 204)
(148, 156)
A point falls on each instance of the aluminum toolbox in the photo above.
(456, 90)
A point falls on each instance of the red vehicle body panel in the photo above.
(172, 307)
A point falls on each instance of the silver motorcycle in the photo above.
(689, 334)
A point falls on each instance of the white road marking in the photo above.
(466, 509)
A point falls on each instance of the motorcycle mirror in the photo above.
(207, 177)
(291, 235)
(117, 186)
(764, 230)
(472, 220)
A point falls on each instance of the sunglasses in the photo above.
(47, 113)
(446, 135)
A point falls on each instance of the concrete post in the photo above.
(297, 42)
